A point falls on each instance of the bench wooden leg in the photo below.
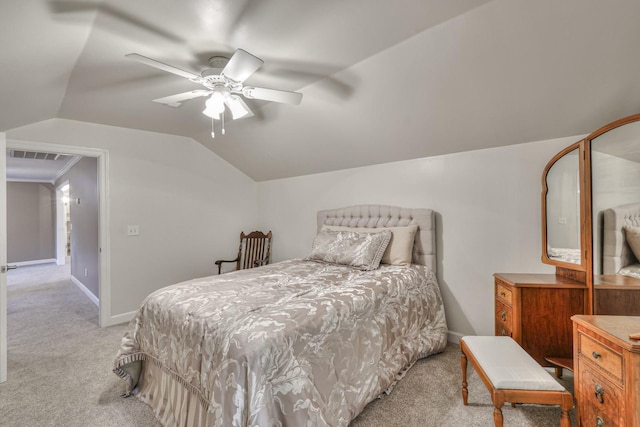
(565, 406)
(465, 390)
(498, 401)
(565, 421)
(497, 417)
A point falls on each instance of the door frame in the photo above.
(3, 258)
(61, 226)
(104, 246)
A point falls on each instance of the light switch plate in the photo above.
(133, 230)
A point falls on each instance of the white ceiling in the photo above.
(382, 80)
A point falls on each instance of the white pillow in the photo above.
(400, 248)
(632, 236)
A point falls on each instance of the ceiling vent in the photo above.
(36, 155)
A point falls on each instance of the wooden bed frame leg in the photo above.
(465, 390)
(498, 401)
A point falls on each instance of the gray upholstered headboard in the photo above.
(373, 216)
(616, 253)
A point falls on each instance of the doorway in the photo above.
(101, 295)
(104, 293)
(63, 224)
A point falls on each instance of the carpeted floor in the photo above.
(59, 367)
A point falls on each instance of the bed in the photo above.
(570, 255)
(617, 254)
(302, 342)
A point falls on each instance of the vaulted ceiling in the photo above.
(382, 80)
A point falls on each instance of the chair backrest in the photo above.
(254, 247)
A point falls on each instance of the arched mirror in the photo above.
(562, 202)
(591, 216)
(615, 212)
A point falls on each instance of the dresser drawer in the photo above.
(602, 356)
(501, 330)
(600, 399)
(503, 292)
(503, 315)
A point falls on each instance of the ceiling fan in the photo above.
(224, 83)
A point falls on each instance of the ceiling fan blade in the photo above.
(176, 100)
(162, 66)
(274, 95)
(241, 65)
(239, 109)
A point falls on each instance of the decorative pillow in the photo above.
(632, 235)
(400, 248)
(359, 250)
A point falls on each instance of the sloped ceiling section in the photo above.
(382, 81)
(38, 56)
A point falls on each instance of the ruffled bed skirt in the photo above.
(172, 402)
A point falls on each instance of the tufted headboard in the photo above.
(616, 253)
(373, 216)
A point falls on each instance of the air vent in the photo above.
(35, 155)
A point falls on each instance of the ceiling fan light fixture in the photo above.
(224, 85)
(214, 105)
(210, 112)
(238, 108)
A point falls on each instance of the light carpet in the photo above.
(59, 368)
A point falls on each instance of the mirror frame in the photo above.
(588, 176)
(571, 270)
(582, 272)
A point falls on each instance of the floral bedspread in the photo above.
(292, 343)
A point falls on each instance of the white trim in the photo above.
(121, 318)
(88, 293)
(34, 262)
(41, 181)
(3, 258)
(61, 225)
(104, 240)
(454, 337)
(67, 167)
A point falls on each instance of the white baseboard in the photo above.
(34, 262)
(94, 299)
(454, 337)
(119, 318)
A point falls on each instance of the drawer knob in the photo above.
(503, 315)
(599, 394)
(599, 422)
(503, 294)
(596, 355)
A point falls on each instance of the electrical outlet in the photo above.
(133, 230)
(562, 220)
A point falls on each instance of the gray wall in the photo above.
(83, 186)
(30, 221)
(487, 205)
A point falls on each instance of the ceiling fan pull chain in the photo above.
(213, 135)
(223, 122)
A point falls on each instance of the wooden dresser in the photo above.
(607, 374)
(535, 310)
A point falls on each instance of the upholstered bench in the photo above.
(511, 375)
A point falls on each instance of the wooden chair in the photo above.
(254, 251)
